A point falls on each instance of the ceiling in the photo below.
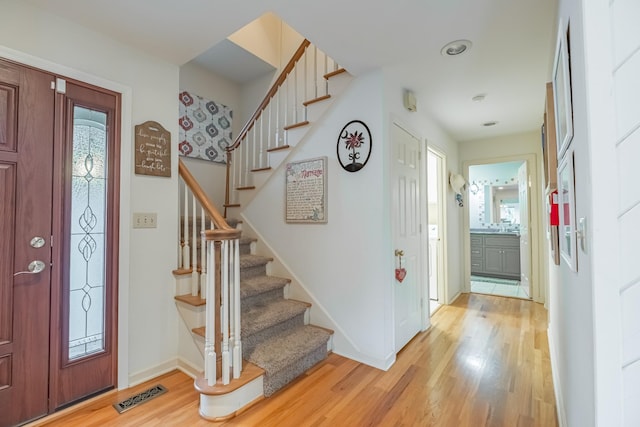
(509, 61)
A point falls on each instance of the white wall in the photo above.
(572, 304)
(147, 315)
(344, 262)
(612, 64)
(195, 79)
(347, 264)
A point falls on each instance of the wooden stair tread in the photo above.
(296, 125)
(182, 271)
(334, 73)
(249, 373)
(199, 331)
(191, 300)
(268, 168)
(318, 99)
(282, 147)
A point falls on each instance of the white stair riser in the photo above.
(183, 284)
(193, 317)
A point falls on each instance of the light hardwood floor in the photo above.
(484, 362)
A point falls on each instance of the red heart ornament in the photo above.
(401, 273)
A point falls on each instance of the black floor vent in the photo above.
(140, 398)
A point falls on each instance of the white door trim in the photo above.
(443, 285)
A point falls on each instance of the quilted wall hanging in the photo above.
(205, 128)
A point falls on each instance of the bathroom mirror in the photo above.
(505, 206)
(500, 204)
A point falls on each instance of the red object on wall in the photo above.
(553, 202)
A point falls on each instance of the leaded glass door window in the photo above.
(87, 233)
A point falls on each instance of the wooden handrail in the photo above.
(274, 89)
(200, 195)
(265, 102)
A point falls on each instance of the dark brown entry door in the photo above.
(83, 339)
(58, 242)
(26, 159)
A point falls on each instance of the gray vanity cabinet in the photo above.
(495, 255)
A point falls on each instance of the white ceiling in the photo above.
(510, 60)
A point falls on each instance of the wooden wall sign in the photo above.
(153, 149)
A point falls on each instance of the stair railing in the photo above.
(303, 79)
(220, 256)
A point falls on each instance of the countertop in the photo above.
(500, 233)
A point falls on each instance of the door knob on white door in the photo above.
(34, 267)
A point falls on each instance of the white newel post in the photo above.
(237, 342)
(210, 329)
(226, 362)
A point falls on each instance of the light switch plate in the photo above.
(145, 220)
(582, 234)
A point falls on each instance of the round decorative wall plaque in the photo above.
(354, 146)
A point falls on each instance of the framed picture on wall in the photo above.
(567, 209)
(562, 93)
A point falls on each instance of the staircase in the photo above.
(255, 340)
(276, 336)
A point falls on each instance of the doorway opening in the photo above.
(436, 216)
(499, 229)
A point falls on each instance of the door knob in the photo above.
(34, 267)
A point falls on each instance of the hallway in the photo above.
(484, 362)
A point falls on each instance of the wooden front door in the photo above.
(26, 154)
(58, 242)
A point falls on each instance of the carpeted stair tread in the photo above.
(262, 316)
(287, 348)
(248, 261)
(261, 284)
(233, 222)
(247, 240)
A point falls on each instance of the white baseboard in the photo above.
(188, 368)
(153, 372)
(562, 415)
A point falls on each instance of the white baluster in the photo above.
(180, 241)
(237, 343)
(209, 346)
(226, 362)
(326, 71)
(295, 95)
(278, 127)
(203, 256)
(262, 151)
(194, 248)
(315, 71)
(186, 262)
(286, 101)
(270, 125)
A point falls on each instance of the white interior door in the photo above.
(525, 249)
(406, 215)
